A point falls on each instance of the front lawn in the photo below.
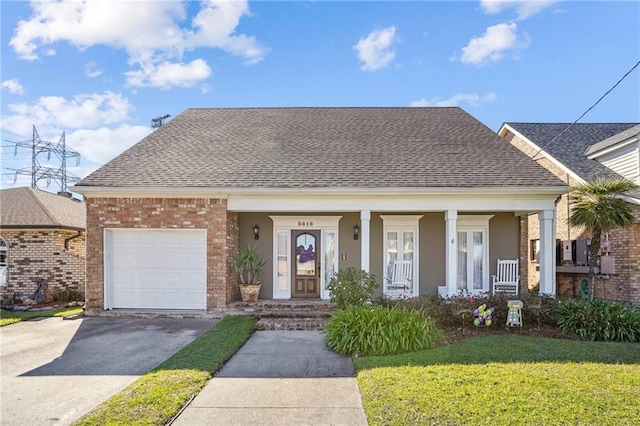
(156, 397)
(504, 380)
(12, 317)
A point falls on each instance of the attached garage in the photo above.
(155, 268)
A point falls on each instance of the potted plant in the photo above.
(248, 264)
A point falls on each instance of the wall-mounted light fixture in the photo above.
(256, 232)
(356, 232)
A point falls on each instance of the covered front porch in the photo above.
(446, 243)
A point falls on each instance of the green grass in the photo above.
(11, 317)
(156, 397)
(505, 380)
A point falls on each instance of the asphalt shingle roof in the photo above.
(570, 148)
(629, 133)
(39, 209)
(322, 148)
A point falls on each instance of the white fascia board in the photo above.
(506, 127)
(613, 148)
(468, 202)
(224, 193)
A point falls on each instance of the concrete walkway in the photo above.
(280, 378)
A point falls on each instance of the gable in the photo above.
(568, 148)
(624, 161)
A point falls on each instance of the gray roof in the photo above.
(569, 149)
(322, 148)
(620, 137)
(32, 208)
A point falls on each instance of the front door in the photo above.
(306, 263)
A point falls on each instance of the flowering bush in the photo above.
(351, 287)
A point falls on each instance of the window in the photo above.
(534, 252)
(3, 262)
(400, 247)
(473, 253)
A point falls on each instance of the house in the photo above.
(584, 152)
(316, 190)
(42, 241)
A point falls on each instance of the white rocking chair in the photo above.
(401, 282)
(507, 279)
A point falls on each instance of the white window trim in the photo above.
(404, 222)
(3, 265)
(293, 223)
(478, 223)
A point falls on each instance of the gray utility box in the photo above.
(582, 248)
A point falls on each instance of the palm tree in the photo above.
(598, 207)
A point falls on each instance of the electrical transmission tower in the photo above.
(44, 172)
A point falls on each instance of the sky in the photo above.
(99, 71)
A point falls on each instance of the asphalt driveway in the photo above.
(55, 371)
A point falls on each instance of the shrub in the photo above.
(448, 312)
(379, 330)
(351, 287)
(600, 320)
(541, 309)
(67, 295)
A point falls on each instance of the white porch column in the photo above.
(546, 219)
(365, 239)
(451, 252)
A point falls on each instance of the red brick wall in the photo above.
(165, 213)
(33, 255)
(623, 286)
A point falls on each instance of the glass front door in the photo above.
(306, 263)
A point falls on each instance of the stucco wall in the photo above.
(503, 244)
(41, 254)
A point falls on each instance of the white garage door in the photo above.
(156, 269)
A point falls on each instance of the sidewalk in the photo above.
(280, 378)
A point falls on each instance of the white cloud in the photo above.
(52, 114)
(153, 34)
(375, 51)
(493, 44)
(524, 9)
(92, 70)
(472, 99)
(13, 86)
(103, 144)
(166, 75)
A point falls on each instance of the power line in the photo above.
(585, 113)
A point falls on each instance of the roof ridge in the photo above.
(327, 107)
(46, 211)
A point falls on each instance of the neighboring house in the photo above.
(42, 239)
(317, 190)
(586, 152)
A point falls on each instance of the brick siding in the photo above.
(166, 213)
(623, 286)
(40, 254)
